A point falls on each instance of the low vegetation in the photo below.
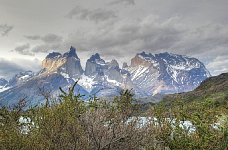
(70, 123)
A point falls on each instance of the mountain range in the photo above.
(147, 75)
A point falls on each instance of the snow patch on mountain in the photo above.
(137, 72)
(86, 82)
(4, 88)
(113, 82)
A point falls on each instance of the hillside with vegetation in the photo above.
(214, 89)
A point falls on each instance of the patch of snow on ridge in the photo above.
(3, 88)
(149, 58)
(113, 81)
(184, 67)
(86, 82)
(24, 77)
(139, 71)
(99, 62)
(65, 75)
(173, 73)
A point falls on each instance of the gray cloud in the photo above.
(96, 15)
(49, 38)
(218, 65)
(23, 49)
(33, 37)
(8, 68)
(5, 29)
(44, 48)
(125, 36)
(153, 34)
(50, 42)
(127, 2)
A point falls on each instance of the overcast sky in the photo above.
(29, 29)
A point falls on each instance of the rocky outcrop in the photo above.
(124, 65)
(105, 71)
(52, 62)
(113, 64)
(68, 63)
(95, 66)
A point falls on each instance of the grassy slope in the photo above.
(214, 88)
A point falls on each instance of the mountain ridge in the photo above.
(147, 75)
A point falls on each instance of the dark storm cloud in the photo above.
(8, 68)
(128, 2)
(23, 49)
(5, 29)
(96, 15)
(49, 38)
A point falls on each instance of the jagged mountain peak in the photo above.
(96, 58)
(53, 55)
(56, 55)
(67, 64)
(143, 54)
(125, 65)
(113, 64)
(180, 62)
(71, 53)
(143, 59)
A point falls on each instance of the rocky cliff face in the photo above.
(166, 72)
(68, 63)
(53, 61)
(105, 71)
(95, 66)
(147, 75)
